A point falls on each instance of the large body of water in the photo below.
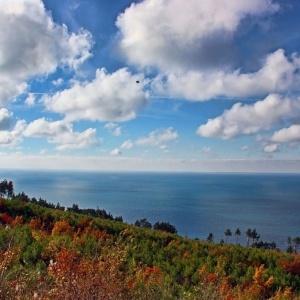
(196, 204)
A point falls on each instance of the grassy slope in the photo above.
(126, 262)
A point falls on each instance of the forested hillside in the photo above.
(47, 252)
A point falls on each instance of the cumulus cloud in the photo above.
(271, 148)
(278, 73)
(5, 119)
(158, 137)
(249, 119)
(58, 82)
(31, 44)
(61, 133)
(13, 137)
(112, 97)
(113, 128)
(116, 152)
(30, 100)
(184, 36)
(287, 135)
(127, 144)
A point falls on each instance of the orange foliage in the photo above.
(76, 277)
(100, 234)
(260, 288)
(290, 266)
(62, 227)
(35, 224)
(17, 221)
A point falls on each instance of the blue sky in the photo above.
(153, 85)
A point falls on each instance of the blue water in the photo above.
(196, 204)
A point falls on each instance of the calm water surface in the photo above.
(196, 204)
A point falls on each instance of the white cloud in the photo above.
(116, 152)
(113, 128)
(172, 35)
(58, 82)
(287, 135)
(61, 133)
(5, 119)
(30, 100)
(206, 149)
(158, 137)
(277, 74)
(13, 137)
(271, 148)
(127, 144)
(249, 119)
(112, 97)
(96, 163)
(164, 148)
(31, 44)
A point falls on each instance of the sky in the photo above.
(150, 85)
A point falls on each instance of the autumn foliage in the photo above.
(51, 254)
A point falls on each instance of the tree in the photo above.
(3, 187)
(143, 223)
(210, 238)
(10, 189)
(289, 248)
(255, 236)
(296, 242)
(252, 234)
(74, 208)
(237, 234)
(165, 226)
(227, 233)
(248, 235)
(119, 218)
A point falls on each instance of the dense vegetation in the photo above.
(49, 252)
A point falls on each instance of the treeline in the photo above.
(253, 239)
(7, 189)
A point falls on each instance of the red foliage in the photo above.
(211, 278)
(6, 219)
(290, 266)
(154, 271)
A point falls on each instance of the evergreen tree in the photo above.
(227, 233)
(248, 235)
(143, 223)
(10, 189)
(237, 234)
(210, 238)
